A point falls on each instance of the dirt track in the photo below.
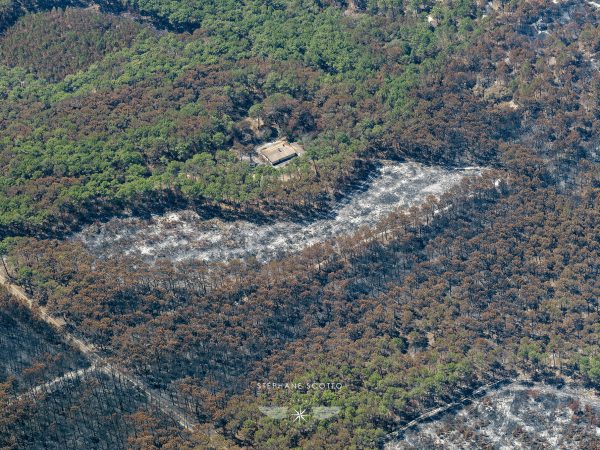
(98, 362)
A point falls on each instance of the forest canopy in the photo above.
(146, 106)
(131, 112)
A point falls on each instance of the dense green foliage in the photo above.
(87, 35)
(162, 115)
(12, 10)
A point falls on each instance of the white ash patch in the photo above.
(513, 417)
(184, 235)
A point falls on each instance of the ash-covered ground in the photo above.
(514, 417)
(184, 235)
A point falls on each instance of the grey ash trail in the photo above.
(184, 235)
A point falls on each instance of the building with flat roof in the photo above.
(278, 152)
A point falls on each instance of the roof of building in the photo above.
(278, 152)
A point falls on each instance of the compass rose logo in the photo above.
(299, 416)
